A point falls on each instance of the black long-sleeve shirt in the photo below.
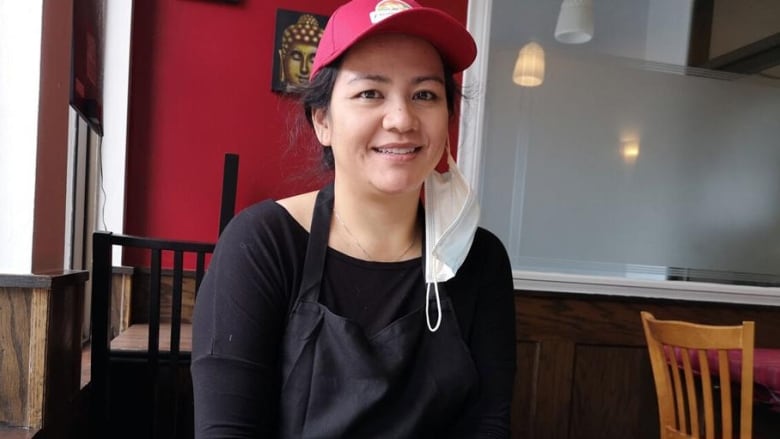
(253, 280)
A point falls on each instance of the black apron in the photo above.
(401, 382)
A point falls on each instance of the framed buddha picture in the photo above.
(296, 37)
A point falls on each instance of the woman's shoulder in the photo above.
(283, 212)
(267, 220)
(300, 207)
(487, 257)
(266, 212)
(487, 242)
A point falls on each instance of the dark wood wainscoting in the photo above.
(138, 306)
(583, 370)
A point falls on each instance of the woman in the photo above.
(351, 311)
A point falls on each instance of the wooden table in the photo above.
(136, 338)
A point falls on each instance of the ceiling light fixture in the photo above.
(575, 22)
(529, 67)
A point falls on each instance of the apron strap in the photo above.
(314, 263)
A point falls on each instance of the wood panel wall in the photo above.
(15, 309)
(139, 302)
(583, 370)
(40, 349)
(121, 289)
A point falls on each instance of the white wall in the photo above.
(20, 59)
(115, 94)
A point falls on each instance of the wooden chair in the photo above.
(130, 381)
(675, 346)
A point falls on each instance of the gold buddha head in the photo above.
(296, 54)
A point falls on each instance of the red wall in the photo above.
(200, 87)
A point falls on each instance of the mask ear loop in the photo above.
(435, 284)
(427, 305)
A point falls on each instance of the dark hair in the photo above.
(318, 92)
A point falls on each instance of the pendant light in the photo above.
(529, 67)
(575, 22)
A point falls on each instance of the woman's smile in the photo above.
(398, 152)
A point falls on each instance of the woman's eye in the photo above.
(425, 95)
(369, 94)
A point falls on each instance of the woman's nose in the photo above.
(401, 117)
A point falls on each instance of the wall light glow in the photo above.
(629, 150)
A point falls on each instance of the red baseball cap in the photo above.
(358, 19)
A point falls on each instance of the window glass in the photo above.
(628, 160)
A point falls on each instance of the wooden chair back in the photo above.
(155, 413)
(676, 346)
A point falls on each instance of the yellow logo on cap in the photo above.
(386, 8)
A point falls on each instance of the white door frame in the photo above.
(472, 113)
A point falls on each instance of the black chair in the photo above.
(229, 187)
(142, 391)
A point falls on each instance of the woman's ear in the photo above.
(321, 122)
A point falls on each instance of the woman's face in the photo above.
(387, 121)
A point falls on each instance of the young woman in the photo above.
(353, 311)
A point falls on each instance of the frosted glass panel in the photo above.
(700, 199)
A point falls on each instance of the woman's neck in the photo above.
(375, 227)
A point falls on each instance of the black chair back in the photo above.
(137, 392)
(229, 186)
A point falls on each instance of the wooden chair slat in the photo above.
(666, 341)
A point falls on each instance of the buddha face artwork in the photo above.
(296, 44)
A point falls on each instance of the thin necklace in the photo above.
(357, 243)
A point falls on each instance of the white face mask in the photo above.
(451, 219)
